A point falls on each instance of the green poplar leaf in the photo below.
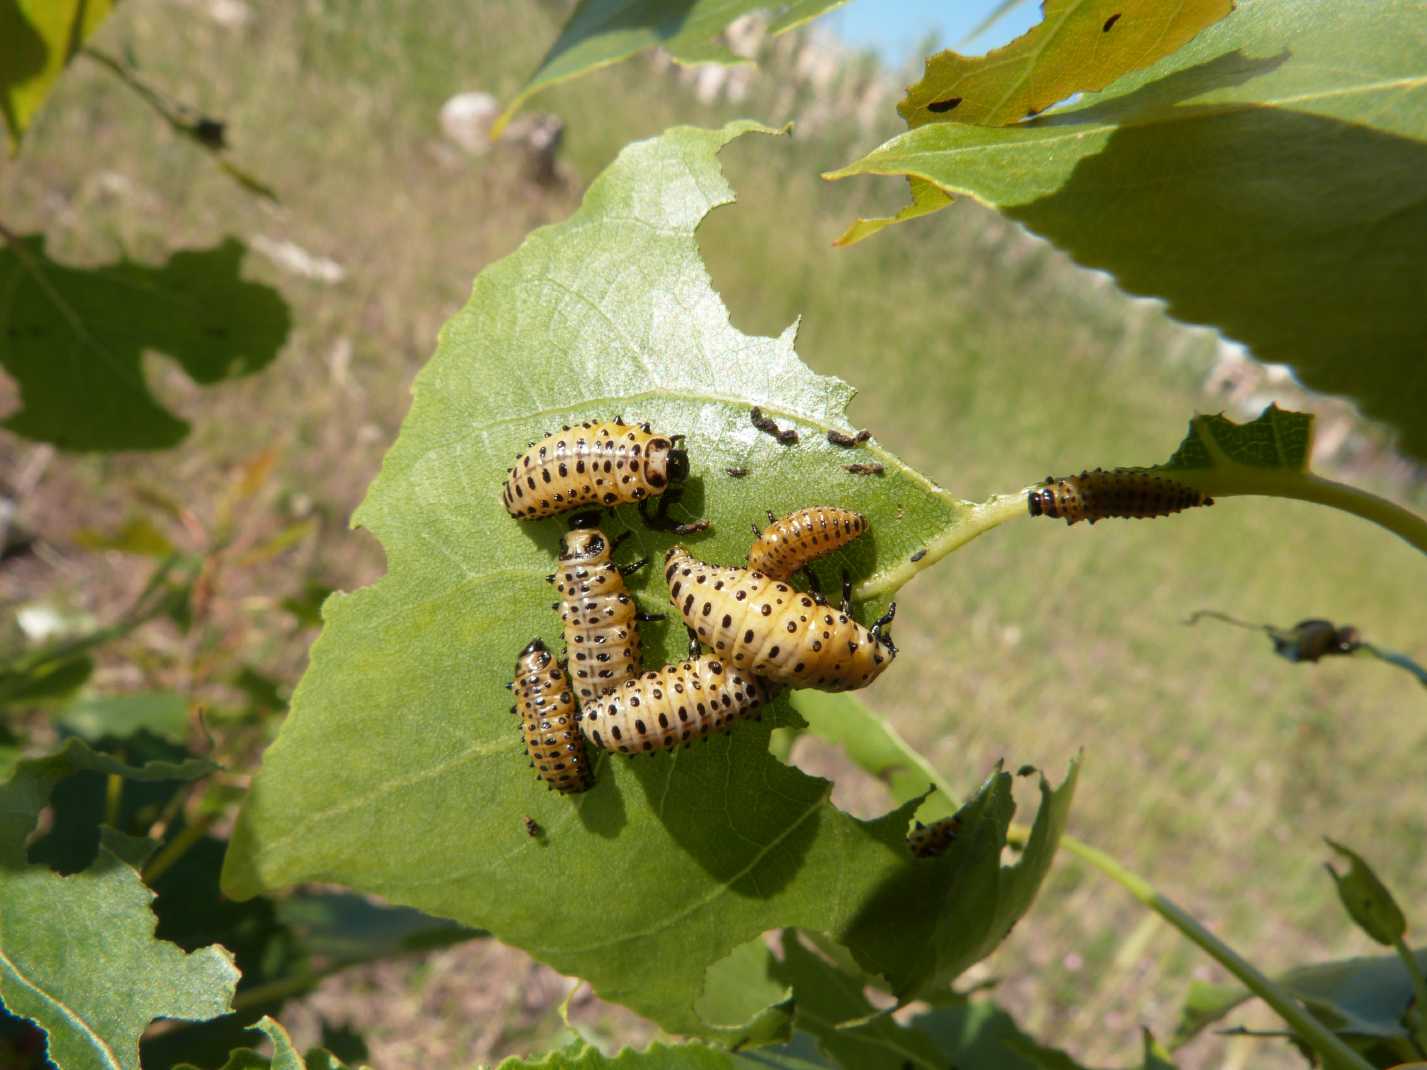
(1366, 899)
(984, 899)
(93, 1007)
(670, 863)
(1264, 179)
(40, 38)
(93, 717)
(831, 1006)
(73, 340)
(1357, 997)
(601, 32)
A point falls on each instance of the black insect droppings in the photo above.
(940, 106)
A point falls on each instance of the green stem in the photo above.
(980, 518)
(1419, 992)
(177, 847)
(1309, 1029)
(1234, 480)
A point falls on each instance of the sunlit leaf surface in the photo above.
(671, 862)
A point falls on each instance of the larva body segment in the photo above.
(1122, 492)
(677, 704)
(928, 841)
(790, 542)
(601, 638)
(545, 704)
(601, 463)
(766, 627)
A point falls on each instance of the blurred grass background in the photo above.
(982, 357)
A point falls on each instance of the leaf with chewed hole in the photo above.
(601, 32)
(1265, 179)
(93, 1007)
(670, 862)
(41, 37)
(1079, 46)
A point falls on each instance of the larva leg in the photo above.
(771, 518)
(694, 649)
(646, 617)
(882, 622)
(847, 592)
(757, 531)
(619, 539)
(590, 519)
(633, 566)
(815, 586)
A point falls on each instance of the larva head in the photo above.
(535, 656)
(666, 463)
(586, 545)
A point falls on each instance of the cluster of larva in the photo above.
(763, 633)
(759, 622)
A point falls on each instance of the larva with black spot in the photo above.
(548, 720)
(928, 841)
(680, 703)
(789, 543)
(1122, 492)
(766, 627)
(601, 636)
(601, 463)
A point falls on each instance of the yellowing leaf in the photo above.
(1080, 46)
(37, 39)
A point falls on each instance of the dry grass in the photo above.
(984, 358)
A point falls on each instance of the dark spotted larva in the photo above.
(601, 639)
(788, 543)
(927, 841)
(871, 469)
(678, 704)
(765, 627)
(596, 463)
(546, 707)
(1125, 492)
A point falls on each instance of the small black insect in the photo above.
(919, 555)
(532, 828)
(693, 527)
(872, 469)
(737, 473)
(837, 438)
